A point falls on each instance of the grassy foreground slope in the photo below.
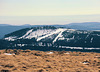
(49, 61)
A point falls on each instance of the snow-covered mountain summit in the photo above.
(39, 33)
(58, 36)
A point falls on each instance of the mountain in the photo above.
(5, 25)
(6, 29)
(84, 26)
(53, 37)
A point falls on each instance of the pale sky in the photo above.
(37, 12)
(48, 7)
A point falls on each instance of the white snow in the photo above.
(87, 36)
(9, 54)
(50, 53)
(39, 33)
(54, 32)
(72, 29)
(61, 38)
(67, 53)
(91, 48)
(26, 34)
(91, 39)
(70, 47)
(70, 38)
(59, 35)
(21, 45)
(98, 35)
(85, 41)
(43, 33)
(85, 62)
(11, 38)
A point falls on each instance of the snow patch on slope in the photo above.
(26, 34)
(11, 38)
(54, 32)
(41, 34)
(36, 34)
(59, 35)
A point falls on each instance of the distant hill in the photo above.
(6, 28)
(50, 35)
(84, 26)
(5, 25)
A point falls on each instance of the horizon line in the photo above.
(50, 24)
(65, 15)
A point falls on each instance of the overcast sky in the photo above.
(49, 8)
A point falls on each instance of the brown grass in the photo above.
(39, 61)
